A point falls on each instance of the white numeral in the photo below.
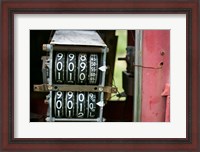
(91, 95)
(80, 115)
(81, 107)
(81, 97)
(70, 76)
(91, 106)
(59, 94)
(71, 66)
(83, 57)
(58, 104)
(82, 76)
(93, 63)
(70, 94)
(71, 56)
(59, 55)
(83, 66)
(59, 66)
(69, 104)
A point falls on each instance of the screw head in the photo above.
(100, 89)
(162, 53)
(50, 87)
(46, 101)
(44, 47)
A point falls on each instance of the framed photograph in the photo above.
(99, 76)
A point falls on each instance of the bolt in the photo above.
(162, 53)
(47, 119)
(46, 101)
(114, 90)
(100, 89)
(161, 64)
(50, 87)
(47, 47)
(44, 47)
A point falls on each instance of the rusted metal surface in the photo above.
(110, 39)
(45, 69)
(166, 95)
(71, 37)
(84, 88)
(167, 112)
(156, 53)
(83, 49)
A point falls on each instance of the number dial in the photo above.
(82, 68)
(59, 67)
(91, 105)
(93, 69)
(71, 68)
(75, 68)
(69, 104)
(59, 104)
(80, 105)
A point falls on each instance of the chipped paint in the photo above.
(154, 43)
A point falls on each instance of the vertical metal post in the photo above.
(138, 77)
(103, 75)
(49, 48)
(50, 82)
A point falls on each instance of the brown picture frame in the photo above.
(12, 7)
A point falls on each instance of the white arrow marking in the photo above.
(100, 103)
(103, 68)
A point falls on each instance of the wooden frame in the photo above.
(10, 8)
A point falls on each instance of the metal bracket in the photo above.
(45, 69)
(81, 88)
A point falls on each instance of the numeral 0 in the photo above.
(91, 106)
(58, 104)
(71, 66)
(82, 76)
(59, 66)
(81, 97)
(69, 104)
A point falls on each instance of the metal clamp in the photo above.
(82, 88)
